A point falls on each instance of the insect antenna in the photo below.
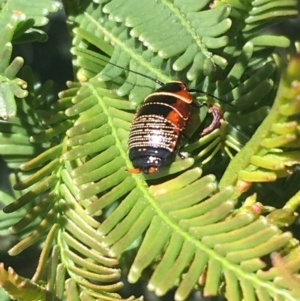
(162, 84)
(211, 95)
(135, 72)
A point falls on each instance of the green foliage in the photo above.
(199, 223)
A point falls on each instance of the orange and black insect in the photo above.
(159, 124)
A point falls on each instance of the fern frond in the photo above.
(122, 25)
(285, 271)
(266, 13)
(17, 27)
(52, 210)
(247, 76)
(146, 60)
(36, 12)
(183, 224)
(26, 123)
(273, 149)
(17, 286)
(29, 16)
(195, 235)
(8, 221)
(10, 86)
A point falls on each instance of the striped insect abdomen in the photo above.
(157, 127)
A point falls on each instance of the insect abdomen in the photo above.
(153, 131)
(152, 139)
(156, 130)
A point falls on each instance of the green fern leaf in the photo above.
(25, 123)
(36, 12)
(10, 86)
(17, 286)
(266, 162)
(50, 199)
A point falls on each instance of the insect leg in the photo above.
(179, 154)
(217, 116)
(133, 170)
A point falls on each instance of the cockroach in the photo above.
(159, 124)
